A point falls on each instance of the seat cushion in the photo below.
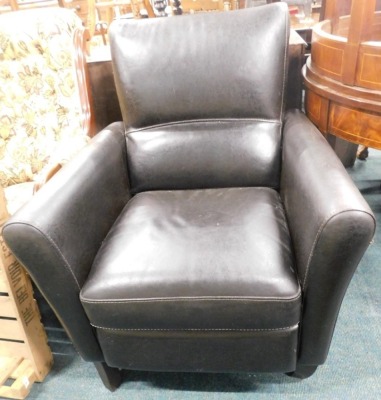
(215, 259)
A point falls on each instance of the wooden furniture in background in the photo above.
(25, 356)
(81, 7)
(8, 5)
(15, 5)
(191, 6)
(97, 15)
(343, 75)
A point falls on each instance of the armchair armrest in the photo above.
(331, 226)
(59, 232)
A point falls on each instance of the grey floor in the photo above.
(352, 371)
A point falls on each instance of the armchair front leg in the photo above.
(331, 226)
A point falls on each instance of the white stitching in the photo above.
(287, 39)
(175, 299)
(51, 241)
(196, 329)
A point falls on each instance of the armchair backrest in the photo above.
(223, 71)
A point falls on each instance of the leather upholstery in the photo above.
(198, 277)
(199, 273)
(166, 73)
(256, 91)
(233, 246)
(205, 154)
(331, 226)
(201, 351)
(60, 242)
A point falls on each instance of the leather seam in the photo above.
(196, 121)
(318, 235)
(197, 329)
(52, 242)
(287, 39)
(184, 299)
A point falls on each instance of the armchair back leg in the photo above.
(111, 377)
(303, 371)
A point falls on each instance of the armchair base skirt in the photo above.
(201, 350)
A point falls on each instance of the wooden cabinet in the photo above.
(343, 75)
(81, 8)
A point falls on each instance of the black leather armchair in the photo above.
(208, 231)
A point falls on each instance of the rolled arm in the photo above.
(331, 226)
(58, 233)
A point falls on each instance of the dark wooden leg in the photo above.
(362, 153)
(160, 6)
(176, 7)
(303, 371)
(111, 377)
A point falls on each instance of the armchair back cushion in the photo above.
(201, 100)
